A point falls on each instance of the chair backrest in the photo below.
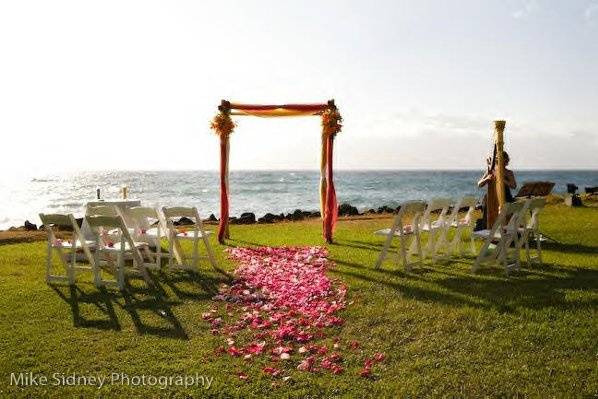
(102, 210)
(99, 224)
(436, 204)
(100, 221)
(55, 219)
(535, 207)
(410, 211)
(66, 221)
(180, 211)
(140, 212)
(469, 203)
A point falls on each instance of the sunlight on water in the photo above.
(23, 197)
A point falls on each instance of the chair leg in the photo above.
(73, 265)
(195, 263)
(120, 272)
(418, 245)
(49, 262)
(406, 264)
(211, 256)
(384, 252)
(170, 253)
(97, 272)
(539, 248)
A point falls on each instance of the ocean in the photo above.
(251, 191)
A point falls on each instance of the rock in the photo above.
(269, 218)
(212, 218)
(29, 226)
(573, 200)
(347, 210)
(371, 211)
(185, 221)
(246, 218)
(297, 215)
(385, 209)
(79, 221)
(591, 190)
(316, 214)
(233, 220)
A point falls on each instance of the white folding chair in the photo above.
(194, 233)
(123, 247)
(461, 223)
(435, 228)
(501, 241)
(149, 228)
(531, 229)
(74, 245)
(406, 228)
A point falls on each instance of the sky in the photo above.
(133, 84)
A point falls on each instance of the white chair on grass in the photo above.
(461, 223)
(531, 229)
(501, 241)
(149, 228)
(75, 245)
(123, 247)
(406, 228)
(435, 228)
(194, 233)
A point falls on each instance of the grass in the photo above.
(445, 331)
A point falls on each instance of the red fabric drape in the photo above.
(222, 226)
(294, 107)
(331, 213)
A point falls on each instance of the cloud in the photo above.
(591, 12)
(528, 7)
(415, 139)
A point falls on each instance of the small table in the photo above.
(122, 205)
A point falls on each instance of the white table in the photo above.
(122, 205)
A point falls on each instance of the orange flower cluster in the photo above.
(331, 121)
(222, 124)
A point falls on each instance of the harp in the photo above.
(495, 197)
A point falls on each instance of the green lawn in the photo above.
(445, 331)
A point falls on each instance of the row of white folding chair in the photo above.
(109, 226)
(163, 223)
(416, 216)
(512, 230)
(438, 243)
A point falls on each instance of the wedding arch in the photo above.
(223, 125)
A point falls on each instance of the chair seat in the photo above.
(190, 235)
(408, 229)
(117, 246)
(434, 226)
(151, 233)
(485, 234)
(462, 222)
(68, 245)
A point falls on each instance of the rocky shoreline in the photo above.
(248, 217)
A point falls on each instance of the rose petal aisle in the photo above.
(280, 306)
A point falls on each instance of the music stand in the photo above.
(535, 189)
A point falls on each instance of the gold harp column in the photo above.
(323, 185)
(499, 128)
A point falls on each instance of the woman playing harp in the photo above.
(490, 205)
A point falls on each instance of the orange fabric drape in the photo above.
(331, 211)
(224, 206)
(290, 107)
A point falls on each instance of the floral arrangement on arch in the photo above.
(222, 124)
(331, 121)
